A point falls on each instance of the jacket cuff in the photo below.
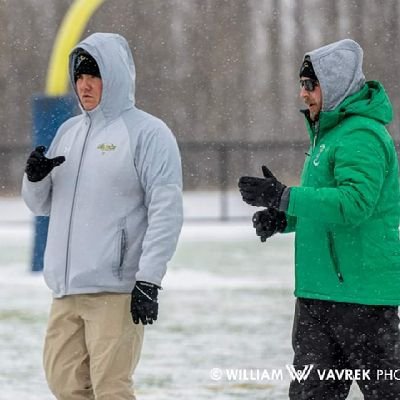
(284, 203)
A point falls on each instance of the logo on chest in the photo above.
(106, 147)
(317, 158)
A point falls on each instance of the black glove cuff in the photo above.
(146, 290)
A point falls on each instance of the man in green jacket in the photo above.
(345, 215)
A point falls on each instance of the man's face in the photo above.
(89, 89)
(312, 98)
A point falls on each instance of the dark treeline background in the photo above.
(221, 71)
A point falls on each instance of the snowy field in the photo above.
(226, 309)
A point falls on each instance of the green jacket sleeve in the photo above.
(359, 165)
(291, 224)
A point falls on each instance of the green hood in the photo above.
(371, 102)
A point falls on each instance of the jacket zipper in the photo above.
(316, 133)
(68, 258)
(334, 258)
(315, 129)
(122, 253)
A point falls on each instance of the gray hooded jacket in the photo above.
(115, 204)
(338, 67)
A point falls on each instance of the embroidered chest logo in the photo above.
(104, 147)
(318, 156)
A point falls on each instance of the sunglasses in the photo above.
(309, 84)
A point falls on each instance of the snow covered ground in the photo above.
(226, 309)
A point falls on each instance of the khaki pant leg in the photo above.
(114, 343)
(65, 358)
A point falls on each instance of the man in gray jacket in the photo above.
(111, 183)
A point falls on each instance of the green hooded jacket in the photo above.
(346, 211)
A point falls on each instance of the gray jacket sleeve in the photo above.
(37, 195)
(159, 167)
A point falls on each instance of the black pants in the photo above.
(350, 337)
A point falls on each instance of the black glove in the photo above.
(38, 166)
(261, 192)
(268, 222)
(144, 305)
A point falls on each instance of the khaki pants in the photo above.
(92, 347)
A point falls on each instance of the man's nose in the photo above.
(303, 93)
(86, 84)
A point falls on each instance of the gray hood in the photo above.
(117, 69)
(338, 67)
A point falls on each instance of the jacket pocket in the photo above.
(334, 258)
(120, 250)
